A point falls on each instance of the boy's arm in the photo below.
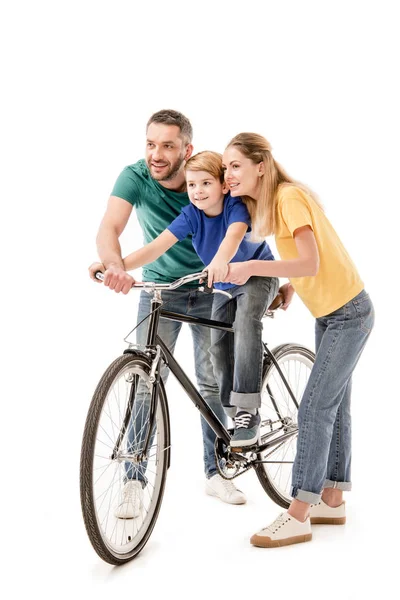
(218, 268)
(150, 252)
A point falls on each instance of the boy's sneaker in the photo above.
(322, 514)
(225, 490)
(132, 501)
(247, 429)
(284, 531)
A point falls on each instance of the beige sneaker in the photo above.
(322, 514)
(225, 490)
(284, 531)
(132, 501)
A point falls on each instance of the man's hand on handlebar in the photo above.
(95, 268)
(115, 277)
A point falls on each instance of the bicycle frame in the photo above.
(154, 342)
(126, 446)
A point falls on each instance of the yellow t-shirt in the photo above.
(337, 280)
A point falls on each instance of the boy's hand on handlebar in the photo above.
(287, 292)
(117, 279)
(216, 271)
(94, 268)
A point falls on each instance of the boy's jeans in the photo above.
(190, 302)
(237, 359)
(324, 443)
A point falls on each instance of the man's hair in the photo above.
(173, 117)
(210, 162)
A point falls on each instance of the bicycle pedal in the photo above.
(235, 449)
(243, 449)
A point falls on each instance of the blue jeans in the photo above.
(189, 302)
(238, 358)
(323, 458)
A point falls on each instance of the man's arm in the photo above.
(112, 225)
(108, 247)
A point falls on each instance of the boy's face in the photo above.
(205, 192)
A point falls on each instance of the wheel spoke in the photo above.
(111, 431)
(278, 412)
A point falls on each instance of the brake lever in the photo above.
(206, 289)
(211, 290)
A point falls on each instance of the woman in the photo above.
(322, 273)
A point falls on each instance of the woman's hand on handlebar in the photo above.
(238, 273)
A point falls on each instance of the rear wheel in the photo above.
(113, 440)
(279, 416)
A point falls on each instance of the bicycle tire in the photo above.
(135, 366)
(277, 405)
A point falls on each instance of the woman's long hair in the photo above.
(263, 211)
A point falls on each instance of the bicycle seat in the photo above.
(276, 303)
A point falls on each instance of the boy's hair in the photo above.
(173, 117)
(208, 161)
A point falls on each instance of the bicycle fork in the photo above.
(154, 379)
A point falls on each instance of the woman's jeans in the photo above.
(188, 302)
(238, 358)
(324, 442)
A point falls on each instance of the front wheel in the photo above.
(111, 457)
(279, 418)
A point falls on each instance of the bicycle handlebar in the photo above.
(151, 286)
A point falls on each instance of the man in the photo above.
(156, 188)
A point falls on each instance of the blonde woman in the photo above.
(324, 276)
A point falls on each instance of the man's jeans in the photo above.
(189, 302)
(238, 358)
(324, 443)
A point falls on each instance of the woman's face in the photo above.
(242, 175)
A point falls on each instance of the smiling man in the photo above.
(156, 188)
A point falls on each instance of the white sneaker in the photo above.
(132, 501)
(224, 490)
(285, 530)
(323, 514)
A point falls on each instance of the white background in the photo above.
(80, 79)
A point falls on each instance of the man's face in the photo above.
(166, 151)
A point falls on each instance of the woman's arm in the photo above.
(218, 267)
(306, 265)
(151, 251)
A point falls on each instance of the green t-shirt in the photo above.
(156, 207)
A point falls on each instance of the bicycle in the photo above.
(127, 431)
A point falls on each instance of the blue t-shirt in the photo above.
(208, 233)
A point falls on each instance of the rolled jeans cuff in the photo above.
(303, 496)
(245, 400)
(345, 486)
